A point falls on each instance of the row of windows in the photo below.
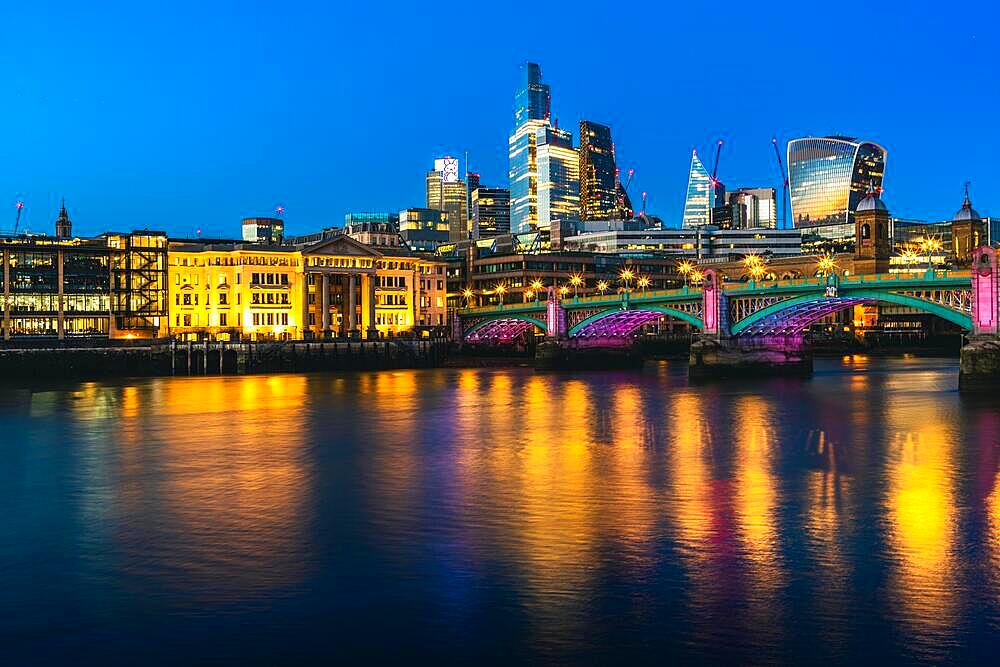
(242, 260)
(270, 319)
(49, 326)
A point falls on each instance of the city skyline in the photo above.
(133, 137)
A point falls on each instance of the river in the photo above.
(502, 515)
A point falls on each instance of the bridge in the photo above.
(759, 314)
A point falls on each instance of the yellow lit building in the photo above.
(333, 288)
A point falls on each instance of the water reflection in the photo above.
(543, 515)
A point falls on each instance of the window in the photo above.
(223, 320)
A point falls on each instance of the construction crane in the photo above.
(715, 168)
(17, 219)
(624, 203)
(784, 184)
(644, 202)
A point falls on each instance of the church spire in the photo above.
(64, 226)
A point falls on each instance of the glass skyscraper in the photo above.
(598, 184)
(490, 212)
(829, 176)
(700, 195)
(558, 177)
(532, 110)
(446, 193)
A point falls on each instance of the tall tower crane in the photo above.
(784, 184)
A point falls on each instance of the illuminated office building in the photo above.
(471, 183)
(558, 182)
(446, 192)
(423, 229)
(753, 208)
(828, 177)
(701, 196)
(263, 230)
(532, 111)
(111, 286)
(599, 195)
(490, 212)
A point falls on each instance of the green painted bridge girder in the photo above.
(679, 314)
(885, 296)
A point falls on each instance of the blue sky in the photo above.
(184, 116)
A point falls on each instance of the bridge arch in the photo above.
(505, 327)
(618, 322)
(801, 311)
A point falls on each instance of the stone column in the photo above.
(352, 306)
(325, 300)
(304, 328)
(60, 323)
(372, 331)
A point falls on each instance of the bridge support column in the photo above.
(980, 363)
(555, 317)
(716, 354)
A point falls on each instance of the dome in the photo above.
(966, 213)
(871, 202)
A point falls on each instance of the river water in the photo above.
(503, 515)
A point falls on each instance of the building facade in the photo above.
(447, 192)
(490, 212)
(700, 198)
(532, 110)
(423, 229)
(333, 288)
(558, 181)
(263, 230)
(697, 243)
(111, 286)
(599, 198)
(829, 176)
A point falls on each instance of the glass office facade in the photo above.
(490, 212)
(532, 109)
(450, 198)
(828, 176)
(700, 197)
(598, 183)
(558, 176)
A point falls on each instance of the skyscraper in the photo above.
(558, 180)
(471, 183)
(446, 192)
(532, 104)
(829, 176)
(599, 198)
(701, 196)
(490, 212)
(754, 208)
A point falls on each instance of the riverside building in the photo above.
(335, 287)
(63, 287)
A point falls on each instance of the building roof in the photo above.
(966, 213)
(872, 202)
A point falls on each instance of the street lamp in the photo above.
(757, 272)
(697, 276)
(643, 283)
(826, 265)
(930, 246)
(563, 291)
(626, 276)
(602, 286)
(501, 290)
(685, 268)
(469, 295)
(530, 294)
(576, 280)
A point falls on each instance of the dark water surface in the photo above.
(501, 515)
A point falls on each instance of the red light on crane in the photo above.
(279, 210)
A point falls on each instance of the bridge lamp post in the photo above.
(826, 265)
(930, 246)
(537, 287)
(530, 293)
(626, 276)
(685, 268)
(501, 290)
(576, 280)
(563, 291)
(643, 283)
(469, 296)
(697, 276)
(757, 272)
(602, 286)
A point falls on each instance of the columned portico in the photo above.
(333, 267)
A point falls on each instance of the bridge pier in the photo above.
(979, 368)
(717, 354)
(712, 357)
